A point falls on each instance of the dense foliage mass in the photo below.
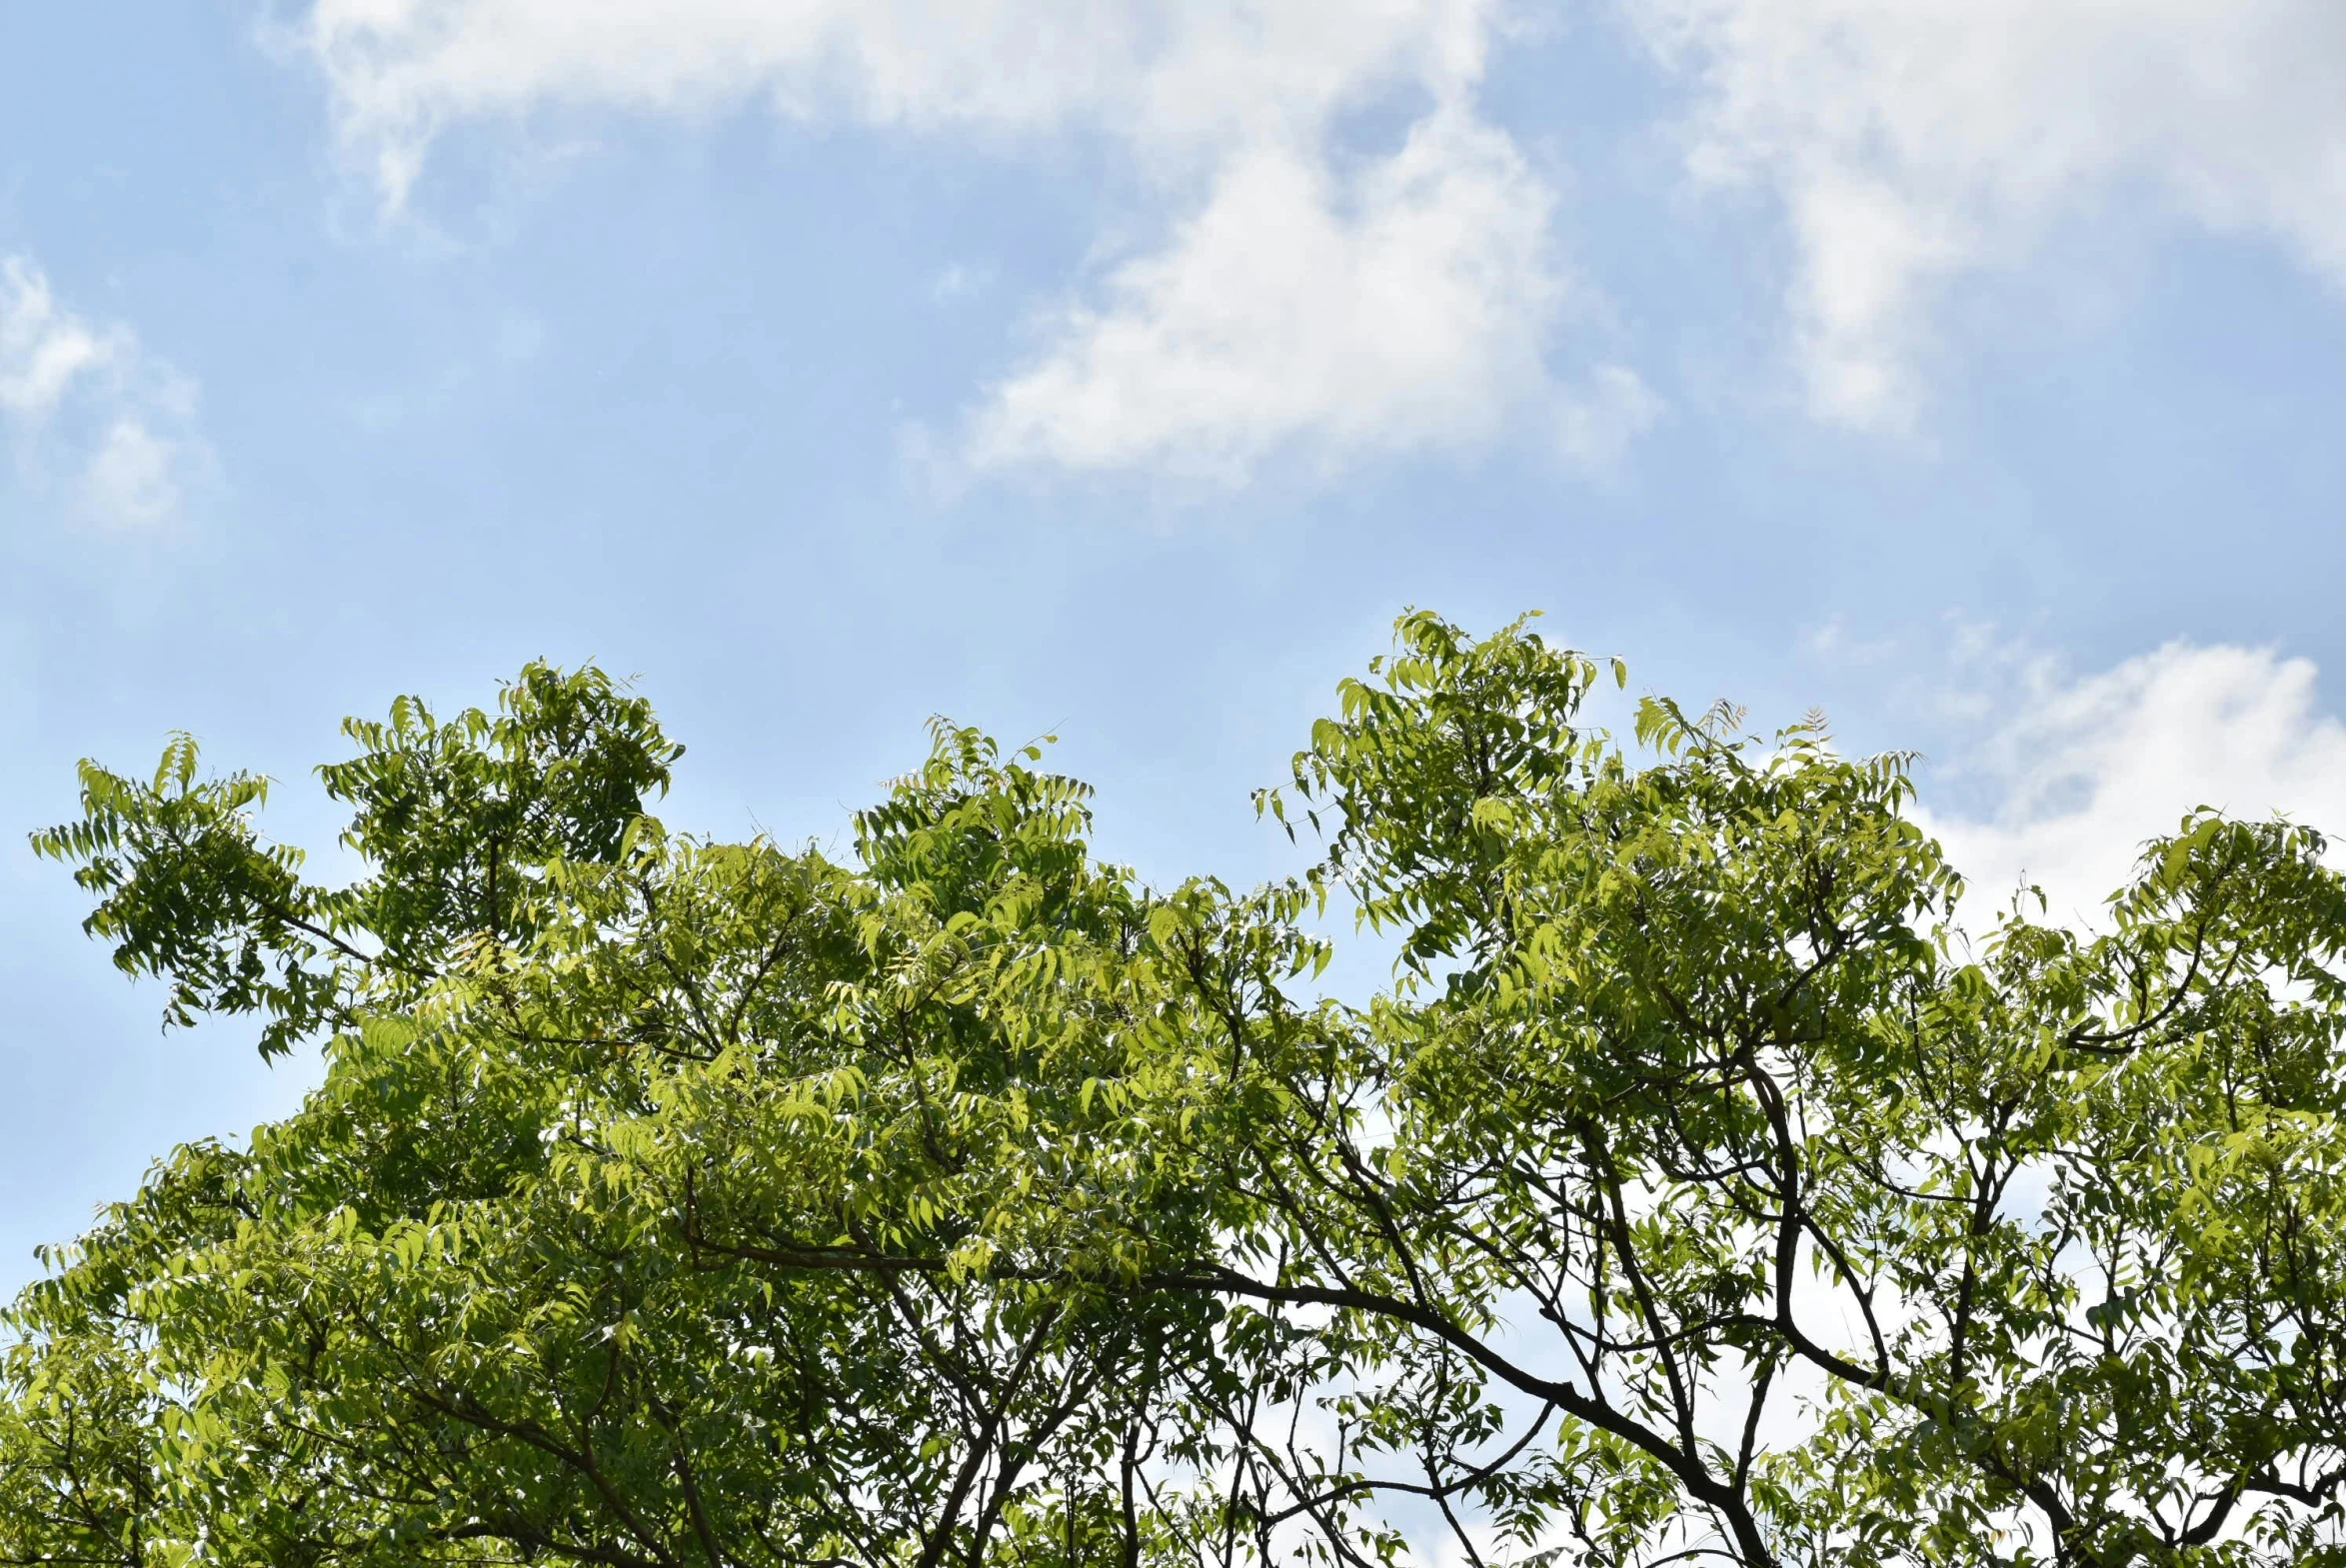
(1694, 1191)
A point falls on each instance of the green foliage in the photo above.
(1697, 1189)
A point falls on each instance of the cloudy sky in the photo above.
(1971, 369)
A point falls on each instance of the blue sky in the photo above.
(1971, 370)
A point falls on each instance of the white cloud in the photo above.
(131, 477)
(88, 397)
(1596, 425)
(1208, 71)
(2088, 769)
(1407, 306)
(1299, 300)
(43, 351)
(960, 281)
(1912, 141)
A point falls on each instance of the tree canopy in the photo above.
(1696, 1190)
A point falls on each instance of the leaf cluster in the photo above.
(1699, 1188)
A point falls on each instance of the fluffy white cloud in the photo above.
(1907, 142)
(43, 350)
(1299, 300)
(86, 395)
(1212, 70)
(1912, 141)
(1405, 307)
(2091, 768)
